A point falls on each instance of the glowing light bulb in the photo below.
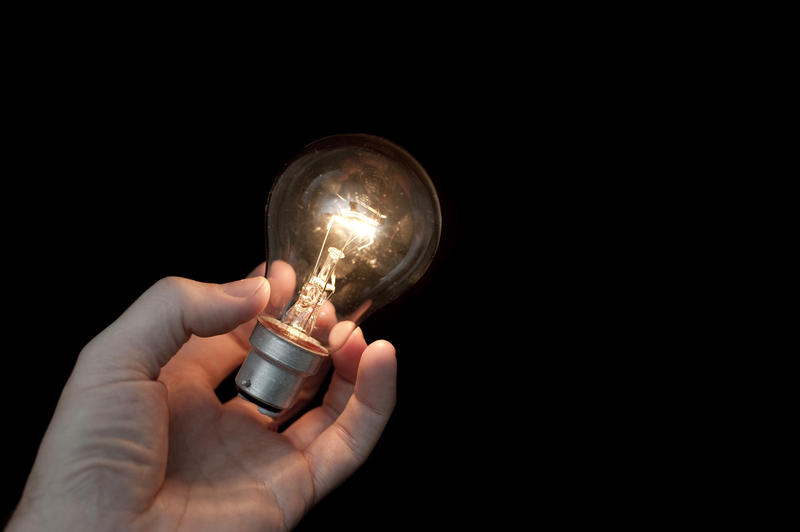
(352, 222)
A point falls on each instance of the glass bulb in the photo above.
(352, 222)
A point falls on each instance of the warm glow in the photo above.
(356, 224)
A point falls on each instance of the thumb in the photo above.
(156, 325)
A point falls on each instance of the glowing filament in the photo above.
(359, 230)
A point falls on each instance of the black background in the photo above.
(546, 362)
(520, 351)
(120, 186)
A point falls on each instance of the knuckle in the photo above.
(172, 285)
(172, 292)
(351, 442)
(171, 282)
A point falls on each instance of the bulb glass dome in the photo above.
(352, 221)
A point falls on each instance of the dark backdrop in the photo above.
(530, 350)
(120, 189)
(524, 353)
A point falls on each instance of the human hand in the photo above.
(139, 439)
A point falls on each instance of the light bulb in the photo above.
(352, 221)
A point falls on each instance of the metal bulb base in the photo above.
(275, 370)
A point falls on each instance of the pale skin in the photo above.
(139, 439)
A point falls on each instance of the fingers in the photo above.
(216, 357)
(344, 445)
(282, 281)
(243, 331)
(339, 334)
(345, 362)
(152, 330)
(326, 320)
(347, 356)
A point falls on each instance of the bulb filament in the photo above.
(359, 231)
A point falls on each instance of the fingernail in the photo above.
(245, 287)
